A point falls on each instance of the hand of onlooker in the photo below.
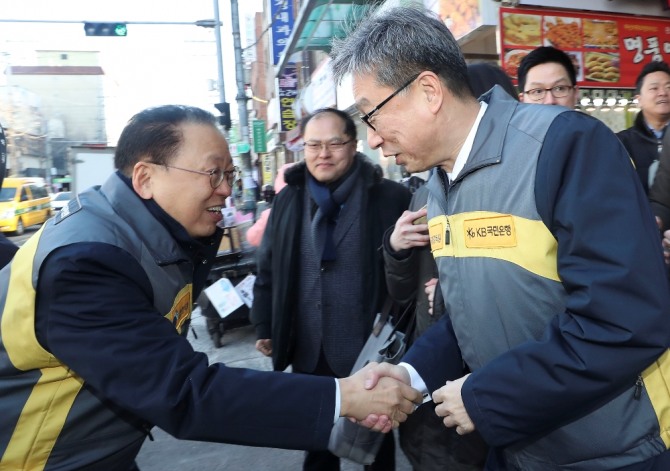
(406, 234)
(430, 292)
(382, 405)
(450, 406)
(666, 246)
(264, 346)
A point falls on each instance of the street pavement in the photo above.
(167, 453)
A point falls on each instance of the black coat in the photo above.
(278, 257)
(659, 193)
(643, 147)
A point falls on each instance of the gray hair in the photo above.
(395, 44)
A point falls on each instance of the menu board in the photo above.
(608, 51)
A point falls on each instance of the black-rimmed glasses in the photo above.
(559, 91)
(366, 117)
(216, 176)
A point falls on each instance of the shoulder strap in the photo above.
(383, 316)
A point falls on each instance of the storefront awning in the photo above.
(318, 22)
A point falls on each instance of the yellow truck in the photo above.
(24, 202)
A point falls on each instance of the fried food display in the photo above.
(601, 34)
(523, 30)
(461, 17)
(601, 67)
(562, 33)
(512, 61)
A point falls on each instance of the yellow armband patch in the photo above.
(525, 242)
(490, 232)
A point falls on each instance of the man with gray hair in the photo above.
(558, 311)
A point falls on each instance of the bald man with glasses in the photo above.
(320, 278)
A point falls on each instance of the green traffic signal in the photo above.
(105, 29)
(120, 29)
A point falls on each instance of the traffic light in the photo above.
(106, 29)
(224, 119)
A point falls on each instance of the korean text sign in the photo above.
(282, 24)
(288, 92)
(608, 51)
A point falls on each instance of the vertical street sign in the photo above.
(260, 144)
(288, 91)
(282, 24)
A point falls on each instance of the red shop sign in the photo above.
(608, 51)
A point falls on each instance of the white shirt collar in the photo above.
(463, 154)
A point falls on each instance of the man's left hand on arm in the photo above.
(449, 404)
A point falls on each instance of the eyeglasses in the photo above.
(314, 147)
(559, 91)
(366, 117)
(216, 176)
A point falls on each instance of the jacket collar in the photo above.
(641, 125)
(487, 147)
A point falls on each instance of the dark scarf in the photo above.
(329, 202)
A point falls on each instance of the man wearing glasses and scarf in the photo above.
(320, 278)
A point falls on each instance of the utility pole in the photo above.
(219, 52)
(249, 199)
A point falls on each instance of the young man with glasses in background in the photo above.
(547, 76)
(91, 308)
(320, 278)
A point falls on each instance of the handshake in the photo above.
(378, 396)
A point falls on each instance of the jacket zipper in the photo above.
(639, 384)
(445, 187)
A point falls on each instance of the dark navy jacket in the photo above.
(610, 267)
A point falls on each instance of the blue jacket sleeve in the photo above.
(95, 314)
(610, 262)
(436, 356)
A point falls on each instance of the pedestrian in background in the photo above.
(91, 309)
(255, 232)
(644, 140)
(540, 282)
(320, 277)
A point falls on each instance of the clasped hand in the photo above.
(380, 406)
(448, 400)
